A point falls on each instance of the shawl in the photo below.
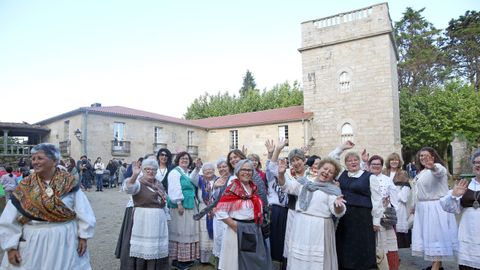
(309, 187)
(33, 203)
(234, 197)
(158, 188)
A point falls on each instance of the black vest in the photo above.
(356, 191)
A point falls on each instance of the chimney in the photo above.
(96, 105)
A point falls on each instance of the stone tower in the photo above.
(349, 64)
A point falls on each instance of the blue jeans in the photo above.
(99, 180)
(85, 181)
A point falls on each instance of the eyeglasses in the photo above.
(375, 164)
(149, 169)
(163, 155)
(246, 170)
(476, 162)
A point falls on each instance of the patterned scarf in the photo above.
(234, 197)
(32, 201)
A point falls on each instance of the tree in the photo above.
(281, 95)
(463, 46)
(422, 63)
(248, 83)
(433, 117)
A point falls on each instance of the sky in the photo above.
(158, 56)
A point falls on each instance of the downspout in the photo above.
(85, 132)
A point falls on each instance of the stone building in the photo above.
(350, 93)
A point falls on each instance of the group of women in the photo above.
(315, 216)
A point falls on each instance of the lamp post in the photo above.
(80, 138)
(78, 135)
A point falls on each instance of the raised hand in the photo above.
(198, 163)
(460, 188)
(305, 149)
(282, 142)
(347, 145)
(136, 167)
(365, 156)
(244, 150)
(270, 146)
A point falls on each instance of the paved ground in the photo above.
(109, 208)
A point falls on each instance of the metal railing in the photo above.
(120, 148)
(16, 150)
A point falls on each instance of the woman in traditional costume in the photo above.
(240, 207)
(434, 233)
(48, 220)
(149, 235)
(312, 239)
(464, 199)
(183, 229)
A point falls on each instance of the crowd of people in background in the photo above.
(293, 210)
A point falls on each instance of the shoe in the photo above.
(97, 190)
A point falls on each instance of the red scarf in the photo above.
(234, 197)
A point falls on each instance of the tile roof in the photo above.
(272, 116)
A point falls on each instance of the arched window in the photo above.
(347, 132)
(344, 81)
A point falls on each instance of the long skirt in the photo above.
(434, 233)
(288, 229)
(123, 242)
(277, 231)
(312, 243)
(184, 236)
(50, 246)
(206, 244)
(356, 239)
(219, 228)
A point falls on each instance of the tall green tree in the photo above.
(422, 63)
(463, 46)
(248, 83)
(433, 117)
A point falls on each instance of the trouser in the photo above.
(99, 180)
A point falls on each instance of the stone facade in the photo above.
(350, 77)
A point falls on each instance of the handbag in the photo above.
(389, 218)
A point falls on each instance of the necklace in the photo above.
(475, 204)
(48, 190)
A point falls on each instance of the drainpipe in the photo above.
(85, 132)
(5, 141)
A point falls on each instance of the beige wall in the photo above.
(363, 48)
(253, 138)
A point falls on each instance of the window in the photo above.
(66, 130)
(347, 132)
(233, 139)
(158, 133)
(190, 137)
(344, 81)
(118, 133)
(283, 133)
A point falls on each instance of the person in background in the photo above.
(312, 163)
(434, 233)
(86, 172)
(257, 164)
(99, 167)
(71, 168)
(219, 227)
(48, 220)
(393, 170)
(164, 158)
(122, 169)
(9, 182)
(385, 235)
(112, 168)
(464, 199)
